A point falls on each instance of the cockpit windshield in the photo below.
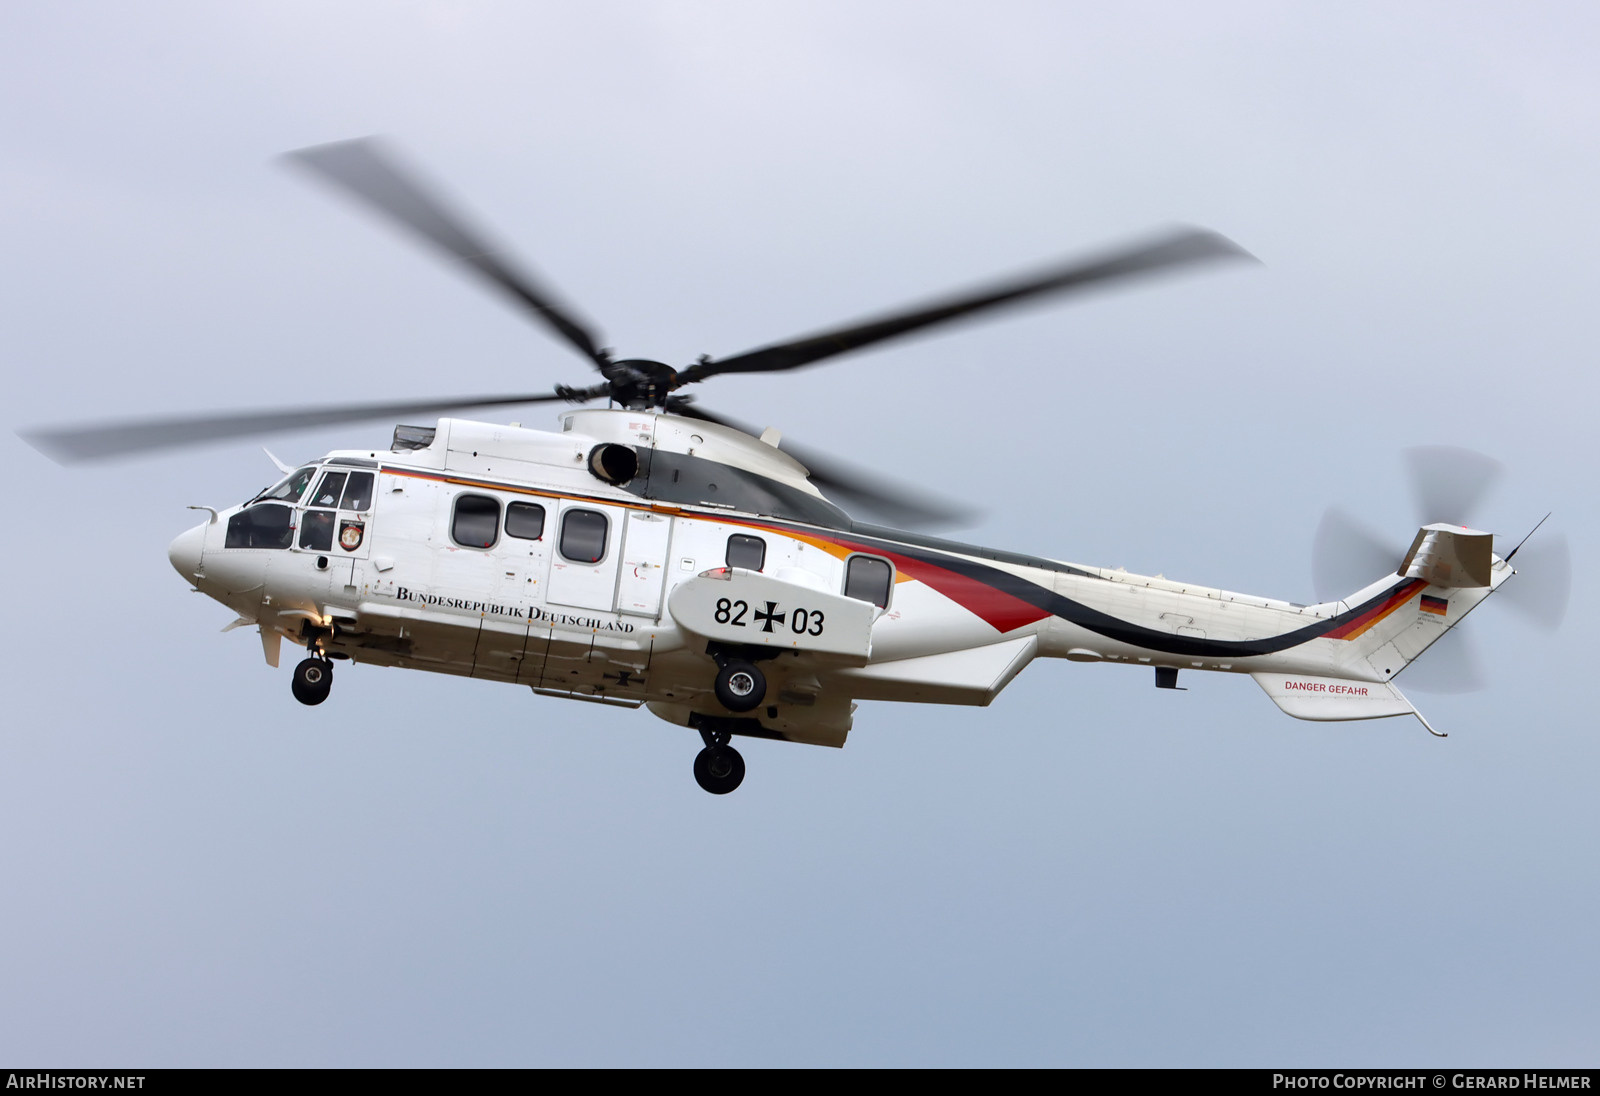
(291, 487)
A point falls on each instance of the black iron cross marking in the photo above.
(622, 677)
(767, 616)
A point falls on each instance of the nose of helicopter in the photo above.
(184, 551)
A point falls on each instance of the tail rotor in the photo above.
(1449, 484)
(1346, 554)
(1544, 580)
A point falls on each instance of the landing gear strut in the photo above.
(313, 678)
(718, 768)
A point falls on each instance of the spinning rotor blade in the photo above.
(1448, 483)
(1347, 555)
(1177, 249)
(894, 502)
(363, 169)
(69, 445)
(1540, 589)
(1451, 665)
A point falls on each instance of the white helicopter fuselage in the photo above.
(623, 558)
(641, 557)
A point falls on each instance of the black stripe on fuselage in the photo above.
(1094, 620)
(948, 555)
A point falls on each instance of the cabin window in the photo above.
(747, 552)
(583, 536)
(476, 523)
(358, 491)
(329, 490)
(316, 530)
(867, 578)
(525, 520)
(261, 526)
(292, 486)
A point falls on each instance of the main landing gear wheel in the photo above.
(313, 678)
(718, 769)
(740, 687)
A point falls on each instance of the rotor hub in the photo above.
(640, 382)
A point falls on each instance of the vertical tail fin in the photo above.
(1447, 573)
(1383, 628)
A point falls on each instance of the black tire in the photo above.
(313, 678)
(740, 687)
(719, 769)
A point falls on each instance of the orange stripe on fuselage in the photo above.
(1400, 595)
(1000, 610)
(836, 549)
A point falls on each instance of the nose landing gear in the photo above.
(718, 768)
(313, 678)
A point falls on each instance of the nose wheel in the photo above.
(718, 769)
(313, 678)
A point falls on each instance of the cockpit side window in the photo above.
(358, 491)
(329, 490)
(476, 523)
(316, 530)
(264, 525)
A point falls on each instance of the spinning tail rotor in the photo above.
(1446, 484)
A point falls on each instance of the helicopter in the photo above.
(651, 553)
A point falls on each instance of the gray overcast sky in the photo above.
(432, 871)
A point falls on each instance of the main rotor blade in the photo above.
(69, 445)
(895, 502)
(1179, 248)
(1347, 556)
(362, 168)
(1448, 483)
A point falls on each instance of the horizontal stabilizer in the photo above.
(971, 676)
(1333, 698)
(1450, 556)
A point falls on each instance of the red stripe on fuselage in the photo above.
(998, 609)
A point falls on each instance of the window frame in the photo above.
(544, 518)
(349, 497)
(888, 597)
(328, 474)
(727, 552)
(455, 517)
(605, 536)
(311, 521)
(241, 524)
(271, 493)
